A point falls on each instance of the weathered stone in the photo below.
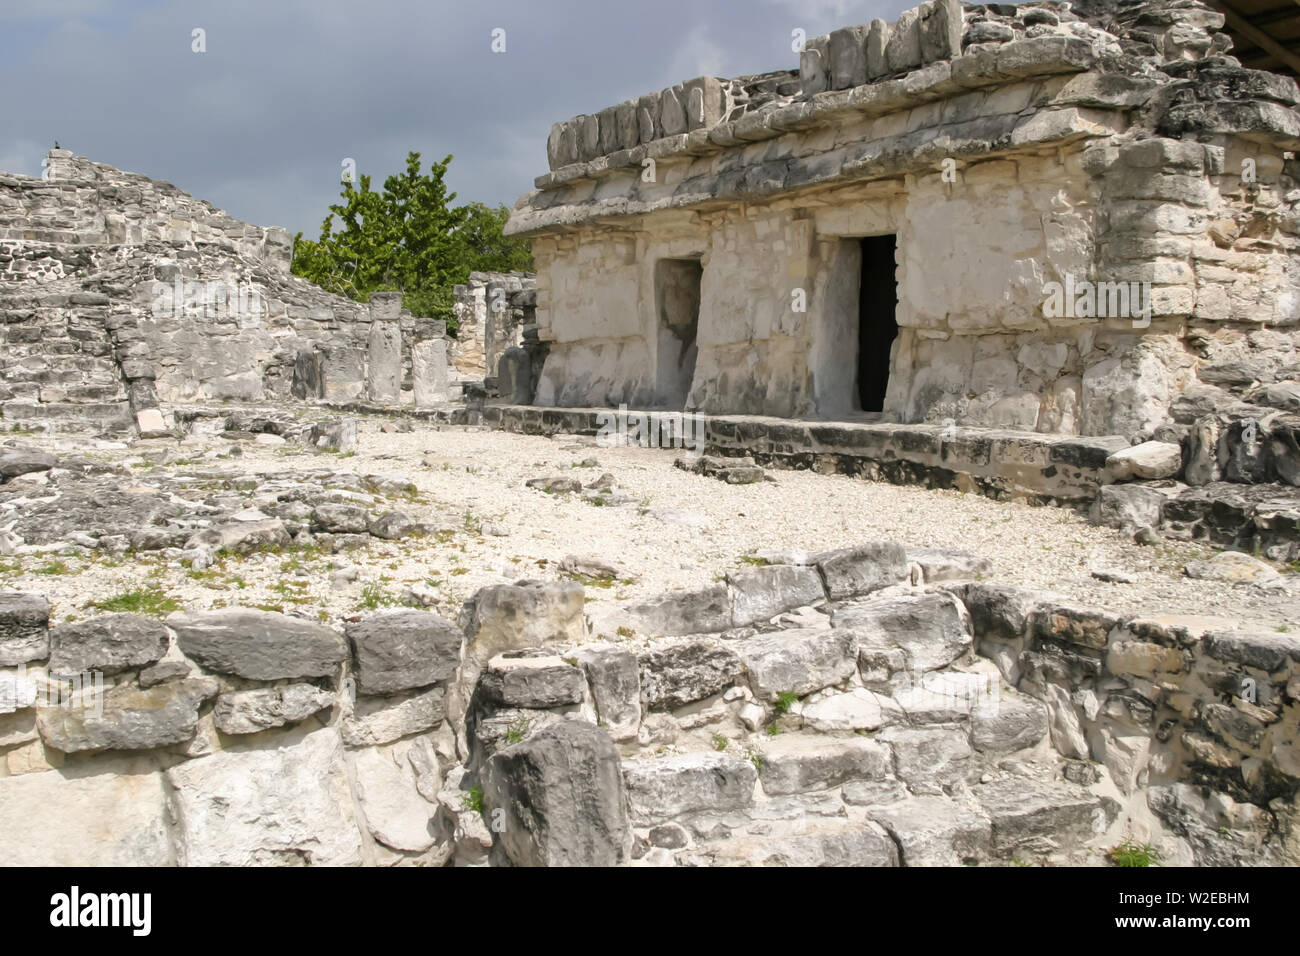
(287, 806)
(1231, 566)
(393, 526)
(108, 643)
(928, 759)
(1031, 816)
(64, 819)
(397, 815)
(852, 572)
(681, 674)
(401, 650)
(929, 628)
(258, 645)
(340, 519)
(340, 436)
(684, 612)
(252, 711)
(125, 717)
(819, 844)
(1127, 506)
(857, 710)
(661, 789)
(1151, 459)
(24, 623)
(429, 373)
(936, 831)
(241, 537)
(515, 679)
(381, 720)
(762, 593)
(948, 564)
(798, 661)
(796, 764)
(615, 678)
(23, 461)
(562, 794)
(1014, 723)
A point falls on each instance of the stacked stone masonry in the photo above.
(121, 296)
(874, 705)
(1005, 149)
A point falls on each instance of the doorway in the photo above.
(877, 319)
(677, 304)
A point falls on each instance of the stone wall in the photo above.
(1041, 148)
(119, 294)
(874, 705)
(494, 311)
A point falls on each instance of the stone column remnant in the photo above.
(429, 366)
(384, 370)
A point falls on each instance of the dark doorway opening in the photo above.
(677, 301)
(877, 320)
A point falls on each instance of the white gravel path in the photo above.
(679, 531)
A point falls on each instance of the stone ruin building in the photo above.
(907, 261)
(878, 231)
(122, 297)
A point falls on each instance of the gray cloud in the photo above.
(260, 123)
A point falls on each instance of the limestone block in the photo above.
(24, 622)
(672, 111)
(661, 789)
(609, 135)
(286, 806)
(395, 812)
(60, 819)
(258, 645)
(429, 374)
(762, 593)
(941, 30)
(647, 117)
(126, 717)
(681, 674)
(705, 102)
(877, 46)
(797, 764)
(382, 720)
(615, 680)
(814, 66)
(384, 362)
(107, 643)
(252, 711)
(798, 661)
(402, 650)
(562, 794)
(848, 57)
(903, 51)
(930, 628)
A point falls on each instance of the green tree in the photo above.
(407, 238)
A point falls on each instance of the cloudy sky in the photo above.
(287, 89)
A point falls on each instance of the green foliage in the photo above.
(473, 799)
(517, 730)
(408, 238)
(374, 597)
(1129, 853)
(720, 742)
(151, 601)
(784, 700)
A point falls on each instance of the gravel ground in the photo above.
(672, 530)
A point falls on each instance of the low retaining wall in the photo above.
(870, 706)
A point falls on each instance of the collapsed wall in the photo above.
(1033, 166)
(867, 706)
(120, 294)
